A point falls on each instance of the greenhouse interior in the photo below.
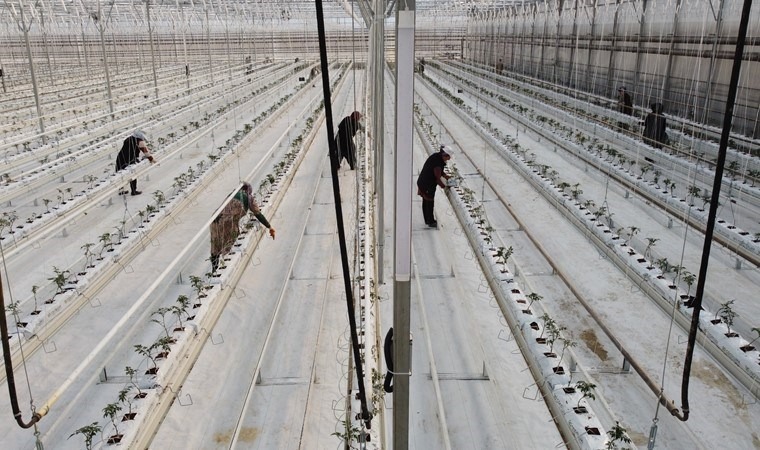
(220, 228)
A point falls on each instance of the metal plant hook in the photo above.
(535, 396)
(45, 347)
(94, 302)
(127, 268)
(505, 339)
(177, 396)
(211, 336)
(242, 293)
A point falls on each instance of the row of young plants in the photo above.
(52, 159)
(78, 88)
(83, 106)
(70, 282)
(654, 271)
(615, 161)
(66, 198)
(176, 321)
(724, 314)
(122, 414)
(367, 294)
(741, 163)
(587, 145)
(70, 132)
(538, 342)
(739, 350)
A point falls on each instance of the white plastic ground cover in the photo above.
(732, 347)
(587, 430)
(190, 337)
(32, 323)
(568, 137)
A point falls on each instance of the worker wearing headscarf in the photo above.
(129, 154)
(345, 138)
(226, 227)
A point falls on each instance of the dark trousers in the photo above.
(427, 210)
(349, 153)
(428, 202)
(132, 187)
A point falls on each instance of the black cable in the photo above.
(727, 119)
(9, 369)
(388, 351)
(365, 414)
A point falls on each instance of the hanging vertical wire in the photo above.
(621, 77)
(653, 93)
(649, 67)
(355, 106)
(727, 120)
(693, 95)
(366, 416)
(573, 75)
(668, 339)
(597, 67)
(686, 219)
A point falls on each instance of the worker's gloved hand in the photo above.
(271, 232)
(151, 159)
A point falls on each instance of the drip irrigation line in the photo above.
(722, 150)
(366, 416)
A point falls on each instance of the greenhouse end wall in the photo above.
(668, 52)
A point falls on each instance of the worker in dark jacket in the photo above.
(654, 127)
(431, 176)
(345, 138)
(625, 105)
(226, 226)
(129, 154)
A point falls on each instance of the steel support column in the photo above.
(208, 40)
(589, 83)
(639, 53)
(152, 49)
(533, 40)
(540, 65)
(378, 128)
(84, 47)
(45, 44)
(611, 65)
(184, 43)
(101, 26)
(571, 65)
(35, 89)
(513, 16)
(555, 66)
(665, 95)
(711, 70)
(405, 26)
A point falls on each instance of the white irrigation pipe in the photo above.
(431, 358)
